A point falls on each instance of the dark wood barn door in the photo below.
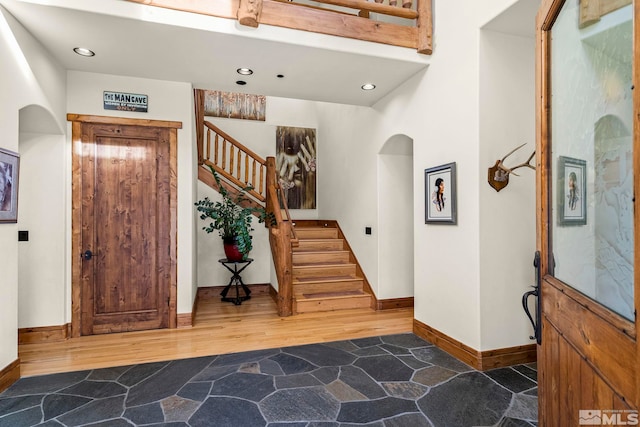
(124, 226)
(588, 361)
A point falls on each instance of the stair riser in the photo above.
(328, 271)
(312, 288)
(332, 304)
(323, 257)
(317, 233)
(319, 245)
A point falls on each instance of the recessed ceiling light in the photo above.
(241, 82)
(83, 51)
(245, 71)
(368, 86)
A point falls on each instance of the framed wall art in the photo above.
(440, 194)
(8, 186)
(572, 191)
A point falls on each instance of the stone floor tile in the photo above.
(227, 412)
(145, 414)
(15, 404)
(512, 422)
(395, 350)
(108, 374)
(385, 368)
(511, 379)
(291, 364)
(212, 373)
(414, 363)
(523, 407)
(342, 345)
(371, 410)
(470, 399)
(167, 382)
(270, 367)
(95, 411)
(118, 422)
(197, 391)
(138, 373)
(95, 389)
(532, 392)
(312, 403)
(244, 357)
(367, 342)
(54, 405)
(405, 340)
(250, 368)
(343, 392)
(26, 418)
(370, 351)
(178, 409)
(405, 389)
(252, 387)
(408, 420)
(44, 383)
(359, 380)
(527, 371)
(441, 358)
(321, 355)
(433, 375)
(296, 381)
(327, 374)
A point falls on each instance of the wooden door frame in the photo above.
(621, 331)
(76, 207)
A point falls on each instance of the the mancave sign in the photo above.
(125, 101)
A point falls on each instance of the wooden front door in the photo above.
(124, 224)
(588, 362)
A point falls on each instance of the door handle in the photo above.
(537, 323)
(87, 255)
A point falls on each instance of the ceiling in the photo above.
(136, 40)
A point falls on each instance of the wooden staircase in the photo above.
(326, 274)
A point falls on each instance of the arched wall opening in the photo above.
(42, 204)
(395, 211)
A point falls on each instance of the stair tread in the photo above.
(317, 240)
(322, 264)
(331, 295)
(313, 279)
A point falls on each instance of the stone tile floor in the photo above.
(386, 381)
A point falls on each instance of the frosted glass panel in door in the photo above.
(591, 145)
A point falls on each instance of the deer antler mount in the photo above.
(498, 176)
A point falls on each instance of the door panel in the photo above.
(588, 357)
(124, 199)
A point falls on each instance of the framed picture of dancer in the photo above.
(572, 191)
(440, 194)
(8, 186)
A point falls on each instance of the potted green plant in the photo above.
(231, 219)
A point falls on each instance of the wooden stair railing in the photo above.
(281, 239)
(234, 161)
(355, 24)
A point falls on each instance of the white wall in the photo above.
(28, 76)
(167, 101)
(507, 218)
(42, 294)
(395, 214)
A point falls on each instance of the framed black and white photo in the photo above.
(440, 194)
(8, 186)
(572, 191)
